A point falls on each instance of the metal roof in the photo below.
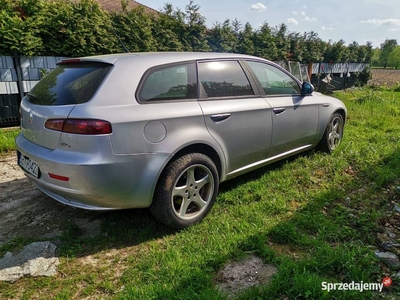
(327, 68)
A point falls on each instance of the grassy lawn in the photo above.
(7, 137)
(315, 217)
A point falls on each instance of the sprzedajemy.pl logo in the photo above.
(356, 286)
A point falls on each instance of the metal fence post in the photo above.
(17, 64)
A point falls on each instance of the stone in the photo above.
(392, 247)
(389, 258)
(36, 259)
(388, 245)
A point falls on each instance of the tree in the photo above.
(246, 37)
(179, 26)
(76, 29)
(335, 52)
(295, 46)
(40, 27)
(375, 61)
(167, 30)
(196, 29)
(369, 50)
(264, 43)
(19, 27)
(237, 28)
(394, 58)
(387, 47)
(134, 29)
(313, 48)
(282, 42)
(222, 38)
(352, 52)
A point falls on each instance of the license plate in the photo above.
(28, 165)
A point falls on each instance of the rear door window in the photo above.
(72, 83)
(176, 82)
(273, 80)
(224, 79)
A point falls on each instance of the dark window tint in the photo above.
(224, 79)
(69, 84)
(170, 83)
(273, 80)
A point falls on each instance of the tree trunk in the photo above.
(310, 67)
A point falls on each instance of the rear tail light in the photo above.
(54, 124)
(79, 126)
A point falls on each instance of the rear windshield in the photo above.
(69, 84)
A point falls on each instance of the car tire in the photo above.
(333, 134)
(186, 191)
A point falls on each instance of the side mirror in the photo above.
(307, 89)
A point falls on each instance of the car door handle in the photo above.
(279, 111)
(220, 117)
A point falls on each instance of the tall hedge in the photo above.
(82, 27)
(41, 27)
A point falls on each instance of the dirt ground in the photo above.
(26, 212)
(385, 77)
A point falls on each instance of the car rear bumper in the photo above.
(100, 181)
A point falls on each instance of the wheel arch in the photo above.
(326, 116)
(195, 148)
(343, 113)
(203, 149)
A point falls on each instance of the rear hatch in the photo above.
(73, 82)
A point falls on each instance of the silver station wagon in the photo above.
(163, 130)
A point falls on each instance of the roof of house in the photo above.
(115, 6)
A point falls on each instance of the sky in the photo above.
(351, 20)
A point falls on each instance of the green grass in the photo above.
(7, 137)
(315, 217)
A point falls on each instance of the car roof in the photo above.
(164, 57)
